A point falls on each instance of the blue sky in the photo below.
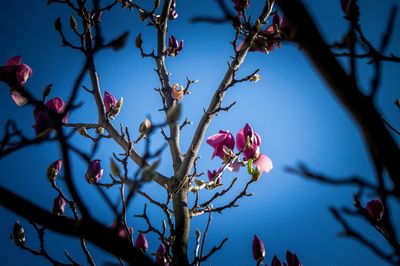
(297, 117)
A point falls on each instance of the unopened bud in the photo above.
(143, 14)
(59, 206)
(83, 132)
(256, 174)
(100, 130)
(119, 43)
(255, 78)
(145, 127)
(53, 170)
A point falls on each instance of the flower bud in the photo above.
(276, 261)
(256, 174)
(59, 205)
(145, 127)
(162, 257)
(94, 172)
(18, 234)
(73, 23)
(255, 78)
(53, 170)
(57, 24)
(375, 209)
(258, 249)
(141, 243)
(292, 259)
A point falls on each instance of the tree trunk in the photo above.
(182, 227)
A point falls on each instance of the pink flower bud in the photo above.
(162, 257)
(109, 101)
(275, 261)
(214, 176)
(218, 141)
(174, 47)
(94, 172)
(375, 209)
(241, 5)
(59, 205)
(121, 230)
(53, 170)
(15, 74)
(141, 243)
(258, 249)
(292, 259)
(172, 11)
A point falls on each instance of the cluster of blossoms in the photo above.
(259, 255)
(174, 46)
(248, 144)
(16, 74)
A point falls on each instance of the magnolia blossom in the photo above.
(375, 209)
(219, 141)
(94, 172)
(15, 73)
(172, 11)
(241, 5)
(59, 205)
(292, 260)
(215, 176)
(177, 92)
(249, 141)
(109, 101)
(141, 243)
(258, 249)
(42, 118)
(174, 47)
(121, 230)
(276, 261)
(162, 257)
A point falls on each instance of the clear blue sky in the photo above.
(291, 108)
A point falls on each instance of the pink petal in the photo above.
(14, 61)
(264, 163)
(18, 98)
(240, 139)
(215, 139)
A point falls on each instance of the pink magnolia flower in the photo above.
(43, 122)
(241, 5)
(94, 172)
(218, 141)
(59, 205)
(215, 176)
(174, 47)
(15, 73)
(276, 261)
(121, 230)
(109, 101)
(375, 209)
(258, 249)
(162, 257)
(172, 11)
(248, 136)
(292, 259)
(141, 243)
(53, 169)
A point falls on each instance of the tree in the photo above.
(186, 191)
